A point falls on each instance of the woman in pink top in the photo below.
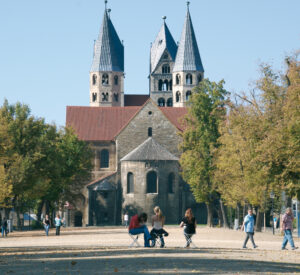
(287, 228)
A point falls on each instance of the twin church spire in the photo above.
(174, 69)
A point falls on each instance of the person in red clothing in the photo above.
(137, 226)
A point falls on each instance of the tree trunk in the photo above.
(259, 219)
(224, 216)
(39, 211)
(210, 209)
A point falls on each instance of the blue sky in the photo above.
(46, 47)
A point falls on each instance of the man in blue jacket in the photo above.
(248, 225)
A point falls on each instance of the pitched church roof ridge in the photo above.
(108, 49)
(163, 41)
(149, 150)
(188, 56)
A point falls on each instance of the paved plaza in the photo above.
(104, 250)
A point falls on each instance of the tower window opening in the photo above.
(161, 102)
(116, 96)
(105, 79)
(94, 79)
(152, 182)
(199, 78)
(165, 69)
(130, 183)
(188, 95)
(160, 84)
(150, 132)
(104, 96)
(165, 85)
(178, 79)
(177, 96)
(104, 158)
(116, 80)
(170, 85)
(189, 79)
(94, 97)
(170, 102)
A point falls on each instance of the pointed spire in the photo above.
(163, 41)
(188, 56)
(109, 50)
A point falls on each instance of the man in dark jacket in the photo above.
(4, 227)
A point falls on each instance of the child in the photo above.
(189, 226)
(158, 221)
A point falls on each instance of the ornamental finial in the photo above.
(105, 3)
(188, 4)
(164, 18)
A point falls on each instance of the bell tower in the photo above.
(107, 72)
(188, 69)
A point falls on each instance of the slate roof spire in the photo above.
(109, 50)
(188, 56)
(163, 41)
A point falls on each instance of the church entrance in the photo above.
(78, 219)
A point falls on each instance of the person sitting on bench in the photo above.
(158, 221)
(189, 226)
(137, 226)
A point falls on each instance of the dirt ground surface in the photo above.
(105, 250)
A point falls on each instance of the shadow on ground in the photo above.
(135, 261)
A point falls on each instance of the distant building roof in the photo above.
(188, 56)
(108, 49)
(149, 150)
(102, 183)
(135, 100)
(164, 41)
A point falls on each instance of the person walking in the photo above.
(126, 218)
(287, 228)
(58, 224)
(137, 226)
(46, 222)
(248, 226)
(4, 227)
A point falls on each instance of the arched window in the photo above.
(150, 132)
(165, 85)
(152, 182)
(188, 95)
(104, 96)
(104, 158)
(177, 96)
(170, 102)
(199, 78)
(170, 85)
(171, 183)
(165, 69)
(94, 79)
(116, 80)
(105, 79)
(160, 84)
(189, 79)
(178, 79)
(94, 97)
(116, 96)
(161, 102)
(130, 183)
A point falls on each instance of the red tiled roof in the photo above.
(175, 115)
(98, 123)
(135, 100)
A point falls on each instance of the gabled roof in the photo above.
(164, 41)
(105, 123)
(102, 182)
(108, 51)
(135, 100)
(149, 150)
(188, 56)
(99, 123)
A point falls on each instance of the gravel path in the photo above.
(105, 251)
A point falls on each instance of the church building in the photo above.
(135, 138)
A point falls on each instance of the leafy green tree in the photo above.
(200, 140)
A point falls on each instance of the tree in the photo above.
(200, 139)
